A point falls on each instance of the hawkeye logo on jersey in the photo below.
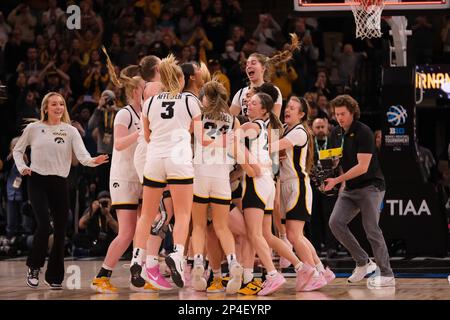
(59, 140)
(116, 185)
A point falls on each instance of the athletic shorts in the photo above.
(125, 194)
(214, 190)
(259, 193)
(158, 172)
(236, 190)
(296, 200)
(139, 160)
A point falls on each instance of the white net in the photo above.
(367, 14)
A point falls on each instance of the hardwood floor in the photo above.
(13, 287)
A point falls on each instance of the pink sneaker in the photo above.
(156, 279)
(303, 276)
(329, 275)
(272, 284)
(315, 283)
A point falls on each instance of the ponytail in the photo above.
(217, 97)
(128, 79)
(267, 104)
(170, 74)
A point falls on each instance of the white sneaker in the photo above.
(378, 282)
(359, 273)
(198, 282)
(235, 282)
(176, 266)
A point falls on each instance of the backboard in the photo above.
(392, 7)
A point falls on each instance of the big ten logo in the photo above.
(74, 18)
(73, 281)
(396, 131)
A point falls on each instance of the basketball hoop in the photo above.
(367, 15)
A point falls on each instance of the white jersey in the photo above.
(122, 164)
(259, 148)
(51, 149)
(214, 161)
(170, 120)
(294, 166)
(240, 98)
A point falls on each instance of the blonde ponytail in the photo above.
(171, 73)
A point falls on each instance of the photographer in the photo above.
(364, 192)
(323, 203)
(102, 120)
(99, 225)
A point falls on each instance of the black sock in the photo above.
(104, 273)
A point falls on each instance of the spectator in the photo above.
(185, 55)
(51, 17)
(31, 67)
(27, 108)
(323, 86)
(5, 29)
(15, 197)
(97, 77)
(102, 120)
(234, 12)
(21, 18)
(378, 138)
(90, 20)
(201, 41)
(166, 24)
(147, 34)
(266, 33)
(15, 51)
(306, 62)
(284, 76)
(423, 40)
(216, 26)
(188, 24)
(322, 204)
(99, 227)
(238, 37)
(230, 57)
(217, 74)
(348, 62)
(445, 37)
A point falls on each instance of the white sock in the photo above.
(320, 267)
(104, 266)
(178, 249)
(248, 275)
(231, 258)
(151, 261)
(283, 236)
(217, 274)
(316, 273)
(299, 266)
(138, 256)
(198, 259)
(272, 273)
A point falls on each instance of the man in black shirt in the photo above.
(363, 191)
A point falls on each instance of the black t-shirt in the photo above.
(358, 139)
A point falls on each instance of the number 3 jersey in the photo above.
(170, 119)
(215, 161)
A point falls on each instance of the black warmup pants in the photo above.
(49, 195)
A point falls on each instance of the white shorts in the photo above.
(125, 194)
(259, 193)
(139, 160)
(296, 200)
(214, 190)
(158, 172)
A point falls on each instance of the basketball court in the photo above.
(422, 229)
(423, 287)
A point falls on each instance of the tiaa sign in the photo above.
(403, 207)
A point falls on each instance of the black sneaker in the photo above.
(33, 277)
(53, 286)
(136, 278)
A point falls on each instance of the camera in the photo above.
(104, 204)
(109, 101)
(322, 171)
